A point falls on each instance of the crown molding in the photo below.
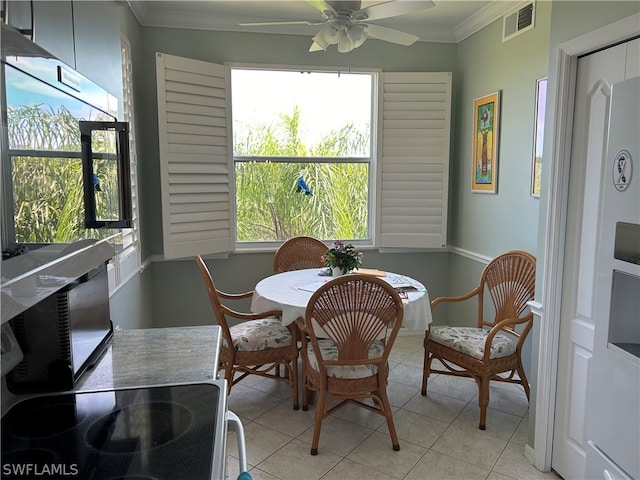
(149, 17)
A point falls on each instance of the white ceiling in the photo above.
(448, 21)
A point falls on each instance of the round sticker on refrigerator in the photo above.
(622, 170)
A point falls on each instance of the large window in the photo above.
(385, 185)
(302, 149)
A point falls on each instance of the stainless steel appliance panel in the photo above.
(62, 335)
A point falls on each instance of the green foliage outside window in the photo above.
(48, 197)
(47, 192)
(268, 206)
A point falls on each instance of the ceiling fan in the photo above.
(347, 25)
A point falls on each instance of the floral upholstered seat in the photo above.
(329, 351)
(263, 334)
(471, 341)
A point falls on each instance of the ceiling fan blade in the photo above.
(392, 9)
(345, 5)
(322, 6)
(290, 22)
(391, 35)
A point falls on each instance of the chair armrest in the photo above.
(460, 298)
(234, 296)
(500, 326)
(512, 321)
(250, 316)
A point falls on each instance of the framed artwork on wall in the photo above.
(538, 135)
(486, 116)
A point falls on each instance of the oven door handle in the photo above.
(235, 424)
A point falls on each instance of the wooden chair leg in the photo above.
(228, 375)
(483, 401)
(293, 371)
(320, 406)
(386, 406)
(305, 387)
(426, 370)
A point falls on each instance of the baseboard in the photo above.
(530, 454)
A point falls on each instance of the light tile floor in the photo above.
(439, 435)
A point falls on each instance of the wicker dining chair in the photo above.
(299, 253)
(347, 333)
(258, 345)
(493, 347)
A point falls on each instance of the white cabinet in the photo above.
(97, 43)
(18, 15)
(53, 29)
(83, 34)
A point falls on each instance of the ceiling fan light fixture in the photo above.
(330, 34)
(344, 43)
(315, 47)
(318, 43)
(357, 34)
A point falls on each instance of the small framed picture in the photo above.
(486, 116)
(538, 136)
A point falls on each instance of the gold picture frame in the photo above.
(486, 119)
(538, 136)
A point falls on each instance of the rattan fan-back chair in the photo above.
(299, 253)
(258, 345)
(349, 328)
(493, 347)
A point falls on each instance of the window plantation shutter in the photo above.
(195, 156)
(414, 176)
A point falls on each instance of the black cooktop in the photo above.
(161, 432)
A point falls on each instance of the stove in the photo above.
(155, 432)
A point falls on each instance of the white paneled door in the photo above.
(596, 74)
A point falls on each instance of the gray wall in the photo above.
(485, 223)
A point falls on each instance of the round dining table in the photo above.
(291, 292)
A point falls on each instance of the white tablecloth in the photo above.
(291, 291)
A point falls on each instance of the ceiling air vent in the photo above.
(518, 21)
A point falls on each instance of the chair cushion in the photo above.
(471, 341)
(329, 351)
(262, 334)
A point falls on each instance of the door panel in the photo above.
(595, 75)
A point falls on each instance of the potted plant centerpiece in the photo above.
(342, 258)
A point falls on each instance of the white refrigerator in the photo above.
(613, 426)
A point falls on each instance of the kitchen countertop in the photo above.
(154, 356)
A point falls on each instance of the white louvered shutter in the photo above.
(415, 126)
(194, 119)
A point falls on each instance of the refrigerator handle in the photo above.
(235, 424)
